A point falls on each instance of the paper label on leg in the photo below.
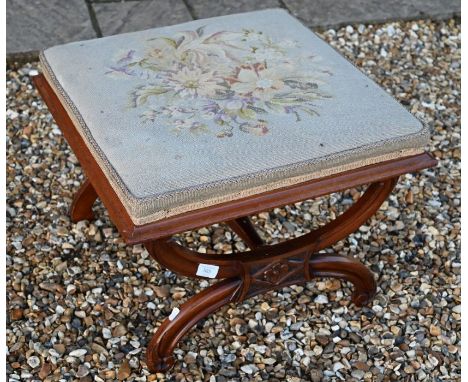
(207, 270)
(174, 314)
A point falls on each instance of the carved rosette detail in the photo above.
(275, 272)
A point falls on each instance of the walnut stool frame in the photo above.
(246, 274)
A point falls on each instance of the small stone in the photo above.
(321, 299)
(96, 348)
(433, 360)
(106, 333)
(34, 361)
(329, 348)
(337, 366)
(269, 361)
(178, 295)
(119, 331)
(361, 365)
(421, 375)
(45, 370)
(78, 353)
(322, 340)
(16, 314)
(264, 307)
(229, 358)
(59, 309)
(354, 337)
(434, 330)
(60, 348)
(190, 358)
(318, 350)
(249, 369)
(345, 350)
(82, 371)
(162, 291)
(108, 374)
(80, 314)
(107, 232)
(390, 30)
(124, 370)
(316, 376)
(409, 198)
(358, 374)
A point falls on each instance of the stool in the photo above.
(214, 120)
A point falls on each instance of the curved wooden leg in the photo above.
(160, 349)
(348, 269)
(246, 231)
(82, 205)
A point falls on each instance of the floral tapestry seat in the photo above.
(214, 110)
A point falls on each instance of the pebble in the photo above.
(337, 366)
(34, 361)
(249, 369)
(106, 333)
(434, 330)
(83, 371)
(190, 358)
(358, 374)
(321, 299)
(318, 350)
(124, 371)
(46, 368)
(78, 353)
(119, 331)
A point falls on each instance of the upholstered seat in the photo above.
(209, 111)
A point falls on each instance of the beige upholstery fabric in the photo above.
(191, 115)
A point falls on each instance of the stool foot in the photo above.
(159, 352)
(348, 269)
(82, 205)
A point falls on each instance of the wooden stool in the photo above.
(215, 120)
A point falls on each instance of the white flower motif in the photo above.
(258, 82)
(266, 54)
(234, 104)
(195, 83)
(208, 115)
(286, 43)
(250, 35)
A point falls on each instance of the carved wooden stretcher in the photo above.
(247, 274)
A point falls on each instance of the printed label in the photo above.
(207, 270)
(174, 313)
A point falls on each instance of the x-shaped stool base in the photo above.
(264, 268)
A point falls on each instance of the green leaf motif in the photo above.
(170, 41)
(247, 113)
(141, 96)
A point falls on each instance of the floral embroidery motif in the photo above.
(234, 79)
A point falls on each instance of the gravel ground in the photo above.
(82, 305)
